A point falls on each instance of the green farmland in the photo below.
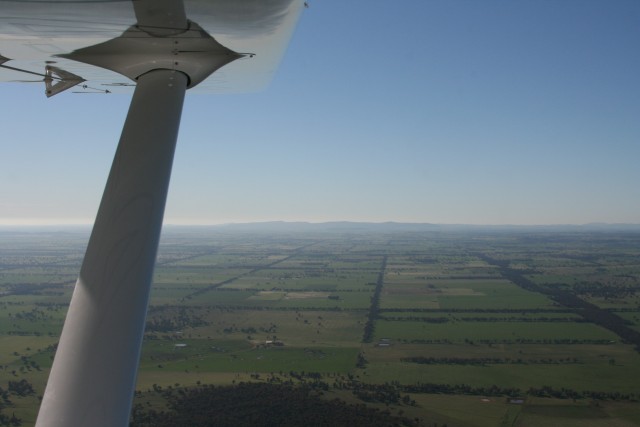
(430, 327)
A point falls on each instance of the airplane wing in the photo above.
(37, 34)
(158, 49)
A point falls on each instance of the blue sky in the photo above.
(477, 112)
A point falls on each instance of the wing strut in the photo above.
(93, 376)
(94, 372)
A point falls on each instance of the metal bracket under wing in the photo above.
(57, 80)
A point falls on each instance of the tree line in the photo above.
(485, 319)
(369, 327)
(485, 361)
(259, 405)
(588, 311)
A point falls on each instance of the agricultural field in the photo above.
(466, 328)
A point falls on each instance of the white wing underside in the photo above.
(34, 33)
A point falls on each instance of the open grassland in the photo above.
(492, 332)
(405, 292)
(378, 318)
(205, 356)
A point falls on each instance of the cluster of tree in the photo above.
(386, 395)
(424, 341)
(394, 389)
(417, 319)
(361, 362)
(173, 321)
(423, 260)
(554, 341)
(484, 361)
(12, 303)
(20, 333)
(28, 364)
(235, 308)
(484, 319)
(10, 421)
(565, 393)
(374, 309)
(605, 290)
(432, 388)
(51, 306)
(522, 311)
(542, 319)
(34, 315)
(34, 288)
(20, 388)
(259, 404)
(311, 380)
(392, 393)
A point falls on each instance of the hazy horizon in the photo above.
(346, 224)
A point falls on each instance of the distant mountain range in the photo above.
(354, 227)
(347, 226)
